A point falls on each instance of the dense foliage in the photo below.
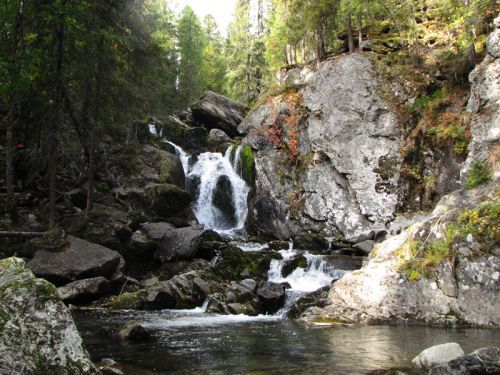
(75, 73)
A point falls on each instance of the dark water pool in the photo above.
(192, 342)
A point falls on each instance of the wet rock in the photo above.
(250, 284)
(167, 200)
(222, 198)
(437, 355)
(135, 332)
(127, 301)
(482, 361)
(82, 291)
(310, 242)
(108, 370)
(217, 112)
(365, 247)
(145, 240)
(292, 263)
(170, 169)
(159, 297)
(235, 264)
(180, 243)
(38, 335)
(272, 296)
(79, 260)
(278, 245)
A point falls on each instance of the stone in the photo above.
(159, 297)
(217, 112)
(222, 198)
(349, 144)
(462, 293)
(170, 169)
(83, 291)
(365, 246)
(80, 260)
(135, 332)
(437, 355)
(167, 200)
(493, 41)
(484, 104)
(250, 284)
(180, 243)
(481, 361)
(297, 261)
(218, 137)
(37, 332)
(272, 296)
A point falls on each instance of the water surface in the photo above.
(187, 342)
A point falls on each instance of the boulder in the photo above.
(167, 200)
(159, 297)
(437, 355)
(297, 261)
(135, 332)
(37, 332)
(394, 285)
(272, 296)
(180, 243)
(217, 112)
(218, 137)
(482, 361)
(79, 260)
(365, 247)
(222, 198)
(146, 239)
(170, 169)
(82, 291)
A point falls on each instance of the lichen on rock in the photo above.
(38, 335)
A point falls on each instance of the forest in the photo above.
(80, 70)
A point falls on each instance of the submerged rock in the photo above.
(135, 332)
(37, 332)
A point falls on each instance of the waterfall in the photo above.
(317, 274)
(221, 194)
(183, 156)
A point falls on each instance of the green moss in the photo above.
(247, 162)
(174, 131)
(127, 301)
(479, 174)
(329, 320)
(233, 261)
(166, 168)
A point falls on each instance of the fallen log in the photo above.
(4, 234)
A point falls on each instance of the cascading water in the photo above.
(221, 194)
(317, 274)
(183, 156)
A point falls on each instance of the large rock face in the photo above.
(462, 288)
(328, 154)
(79, 260)
(37, 332)
(484, 104)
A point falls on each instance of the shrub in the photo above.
(479, 174)
(483, 221)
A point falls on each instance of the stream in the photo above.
(192, 341)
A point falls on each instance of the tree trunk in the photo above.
(93, 128)
(350, 36)
(320, 47)
(360, 32)
(55, 125)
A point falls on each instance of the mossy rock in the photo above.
(174, 131)
(312, 242)
(234, 261)
(167, 200)
(127, 301)
(247, 165)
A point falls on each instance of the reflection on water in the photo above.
(186, 343)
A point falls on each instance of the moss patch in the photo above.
(127, 301)
(247, 167)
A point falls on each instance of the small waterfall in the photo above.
(317, 274)
(183, 156)
(221, 194)
(236, 162)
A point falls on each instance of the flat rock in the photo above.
(86, 290)
(80, 260)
